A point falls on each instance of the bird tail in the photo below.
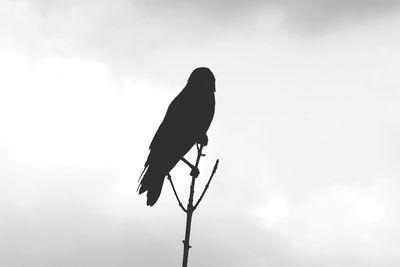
(141, 175)
(152, 182)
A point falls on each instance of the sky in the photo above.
(306, 129)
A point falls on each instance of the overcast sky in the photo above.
(307, 128)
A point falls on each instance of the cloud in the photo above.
(73, 111)
(305, 129)
(305, 16)
(349, 224)
(126, 34)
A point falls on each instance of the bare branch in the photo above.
(176, 195)
(189, 210)
(208, 184)
(187, 163)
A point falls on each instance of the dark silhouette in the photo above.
(186, 123)
(190, 207)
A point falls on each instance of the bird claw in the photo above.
(203, 140)
(195, 172)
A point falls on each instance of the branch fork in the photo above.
(190, 207)
(202, 194)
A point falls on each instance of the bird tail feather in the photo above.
(141, 175)
(152, 182)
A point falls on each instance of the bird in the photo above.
(185, 124)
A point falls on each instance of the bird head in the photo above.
(203, 78)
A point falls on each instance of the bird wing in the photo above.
(187, 119)
(170, 130)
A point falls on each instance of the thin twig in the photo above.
(176, 195)
(187, 162)
(208, 184)
(190, 206)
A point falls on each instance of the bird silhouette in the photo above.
(186, 123)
